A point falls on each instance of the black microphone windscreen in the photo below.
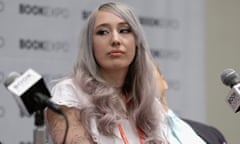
(10, 78)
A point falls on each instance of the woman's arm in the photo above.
(57, 126)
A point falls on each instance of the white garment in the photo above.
(66, 93)
(179, 132)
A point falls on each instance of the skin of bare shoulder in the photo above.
(57, 125)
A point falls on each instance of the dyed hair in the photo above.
(139, 84)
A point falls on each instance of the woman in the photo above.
(111, 96)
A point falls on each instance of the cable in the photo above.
(67, 127)
(43, 99)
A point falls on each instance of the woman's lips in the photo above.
(116, 53)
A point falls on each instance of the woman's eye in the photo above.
(102, 32)
(125, 30)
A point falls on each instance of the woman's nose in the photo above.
(116, 40)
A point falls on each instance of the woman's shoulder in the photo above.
(63, 85)
(66, 92)
(64, 81)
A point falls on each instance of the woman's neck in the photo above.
(114, 77)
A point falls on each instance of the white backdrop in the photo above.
(44, 35)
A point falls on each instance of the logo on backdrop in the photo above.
(44, 45)
(23, 142)
(166, 54)
(159, 22)
(85, 14)
(1, 6)
(2, 42)
(46, 11)
(148, 21)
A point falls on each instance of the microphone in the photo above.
(30, 92)
(230, 78)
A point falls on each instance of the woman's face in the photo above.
(114, 43)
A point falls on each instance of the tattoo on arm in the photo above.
(57, 127)
(82, 139)
(76, 134)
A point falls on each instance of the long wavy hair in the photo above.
(143, 111)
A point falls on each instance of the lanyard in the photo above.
(124, 137)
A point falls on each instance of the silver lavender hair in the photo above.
(139, 85)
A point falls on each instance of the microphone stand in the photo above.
(40, 130)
